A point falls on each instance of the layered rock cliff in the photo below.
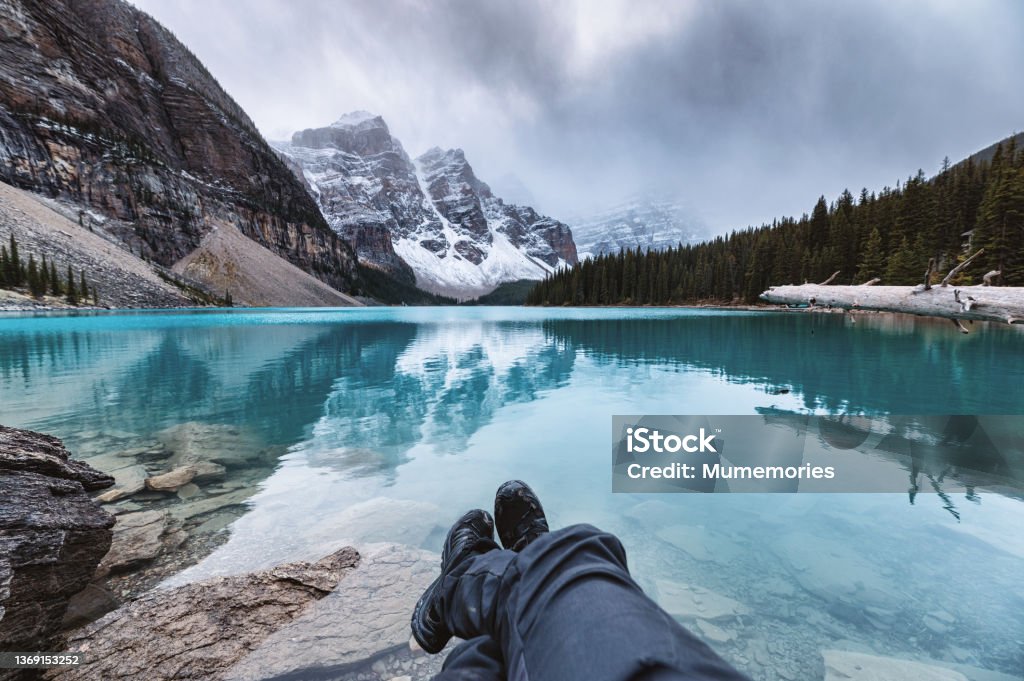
(431, 220)
(101, 105)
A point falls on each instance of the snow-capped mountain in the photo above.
(644, 222)
(364, 184)
(430, 220)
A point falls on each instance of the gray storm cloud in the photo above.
(744, 110)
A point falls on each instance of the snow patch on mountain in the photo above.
(443, 269)
(642, 222)
(353, 118)
(431, 220)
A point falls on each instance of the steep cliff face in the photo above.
(101, 105)
(430, 220)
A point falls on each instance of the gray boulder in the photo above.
(52, 537)
(29, 452)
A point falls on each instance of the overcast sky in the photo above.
(744, 110)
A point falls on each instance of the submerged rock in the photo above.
(842, 665)
(207, 471)
(193, 443)
(188, 491)
(701, 543)
(128, 480)
(172, 480)
(191, 508)
(714, 633)
(836, 573)
(88, 605)
(692, 540)
(685, 601)
(199, 631)
(139, 538)
(52, 536)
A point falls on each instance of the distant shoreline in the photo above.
(17, 308)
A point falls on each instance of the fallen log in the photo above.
(983, 303)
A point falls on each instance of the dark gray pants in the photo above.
(565, 608)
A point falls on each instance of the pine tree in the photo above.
(83, 288)
(15, 272)
(1000, 229)
(904, 266)
(33, 278)
(33, 274)
(872, 261)
(44, 277)
(71, 294)
(55, 287)
(818, 226)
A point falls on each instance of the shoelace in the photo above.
(529, 527)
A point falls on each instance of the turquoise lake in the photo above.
(416, 414)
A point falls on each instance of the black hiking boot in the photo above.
(463, 541)
(518, 515)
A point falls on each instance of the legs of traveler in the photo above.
(565, 608)
(478, 659)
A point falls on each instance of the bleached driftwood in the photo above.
(983, 303)
(990, 276)
(830, 279)
(959, 268)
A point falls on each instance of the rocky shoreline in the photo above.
(146, 493)
(81, 573)
(173, 496)
(13, 301)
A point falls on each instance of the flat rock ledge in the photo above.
(52, 536)
(342, 618)
(201, 630)
(363, 624)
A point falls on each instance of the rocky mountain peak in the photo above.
(452, 166)
(355, 118)
(359, 132)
